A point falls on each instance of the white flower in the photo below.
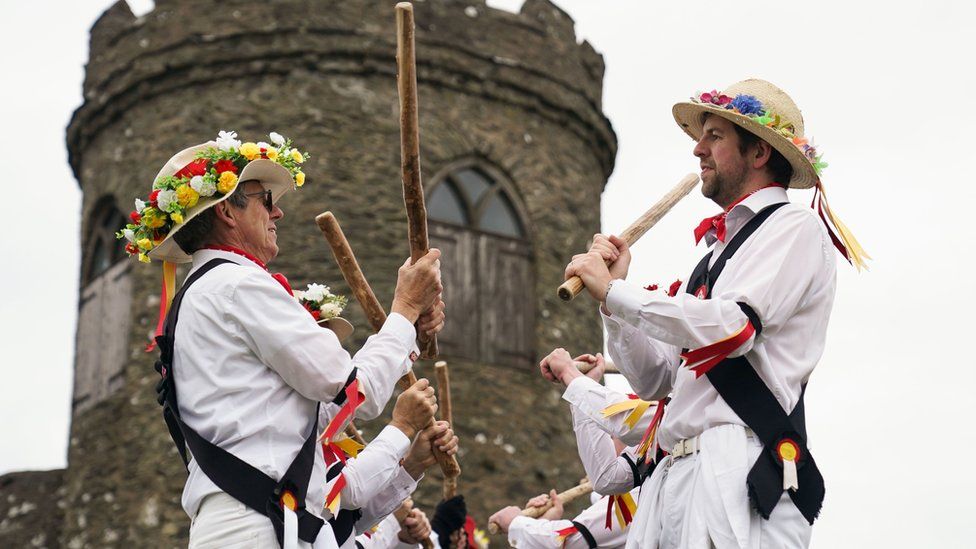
(316, 292)
(140, 205)
(277, 139)
(204, 185)
(129, 235)
(263, 145)
(329, 310)
(165, 198)
(227, 141)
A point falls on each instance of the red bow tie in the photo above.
(277, 276)
(717, 222)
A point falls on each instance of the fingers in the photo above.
(431, 257)
(587, 358)
(620, 243)
(556, 504)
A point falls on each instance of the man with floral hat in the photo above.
(736, 346)
(245, 368)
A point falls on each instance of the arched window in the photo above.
(477, 222)
(104, 311)
(103, 250)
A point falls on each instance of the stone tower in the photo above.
(510, 98)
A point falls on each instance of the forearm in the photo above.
(588, 399)
(608, 473)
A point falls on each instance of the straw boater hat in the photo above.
(199, 177)
(767, 112)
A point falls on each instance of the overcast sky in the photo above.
(887, 90)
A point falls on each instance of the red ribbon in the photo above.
(818, 201)
(707, 357)
(652, 428)
(353, 399)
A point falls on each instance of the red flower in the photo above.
(650, 287)
(316, 315)
(225, 166)
(675, 286)
(131, 248)
(135, 217)
(152, 198)
(197, 167)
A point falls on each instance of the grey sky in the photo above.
(886, 89)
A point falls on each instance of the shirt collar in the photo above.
(742, 212)
(201, 257)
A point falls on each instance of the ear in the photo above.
(226, 214)
(763, 152)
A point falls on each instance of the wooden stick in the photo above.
(585, 367)
(572, 287)
(444, 400)
(582, 489)
(353, 433)
(374, 311)
(401, 514)
(413, 188)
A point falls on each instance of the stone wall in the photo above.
(514, 90)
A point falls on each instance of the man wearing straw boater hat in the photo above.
(736, 346)
(247, 374)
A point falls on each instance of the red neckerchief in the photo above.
(717, 222)
(277, 276)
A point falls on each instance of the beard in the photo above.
(724, 185)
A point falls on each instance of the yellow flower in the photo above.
(153, 218)
(177, 217)
(186, 196)
(297, 156)
(272, 154)
(144, 258)
(227, 182)
(249, 150)
(144, 244)
(299, 179)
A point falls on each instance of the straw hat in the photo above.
(199, 177)
(764, 110)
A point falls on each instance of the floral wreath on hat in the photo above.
(213, 173)
(750, 106)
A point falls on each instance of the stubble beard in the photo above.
(723, 187)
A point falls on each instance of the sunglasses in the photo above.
(268, 204)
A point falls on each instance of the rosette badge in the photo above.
(325, 307)
(201, 176)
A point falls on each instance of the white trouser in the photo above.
(700, 501)
(224, 522)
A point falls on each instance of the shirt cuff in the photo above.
(516, 527)
(404, 483)
(625, 300)
(395, 438)
(402, 329)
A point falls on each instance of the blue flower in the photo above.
(747, 105)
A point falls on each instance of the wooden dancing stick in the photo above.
(572, 287)
(413, 188)
(374, 311)
(585, 367)
(401, 514)
(583, 489)
(444, 399)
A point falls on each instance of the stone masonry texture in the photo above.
(515, 91)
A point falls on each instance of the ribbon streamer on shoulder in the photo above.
(165, 300)
(650, 435)
(634, 405)
(623, 506)
(564, 534)
(843, 239)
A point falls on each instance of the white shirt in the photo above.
(530, 533)
(785, 271)
(251, 363)
(588, 399)
(386, 536)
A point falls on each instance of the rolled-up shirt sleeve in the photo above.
(310, 358)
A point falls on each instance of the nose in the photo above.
(700, 150)
(277, 212)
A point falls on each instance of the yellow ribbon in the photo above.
(349, 446)
(857, 253)
(636, 406)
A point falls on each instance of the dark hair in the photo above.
(778, 166)
(194, 235)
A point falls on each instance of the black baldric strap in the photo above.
(585, 532)
(231, 474)
(744, 391)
